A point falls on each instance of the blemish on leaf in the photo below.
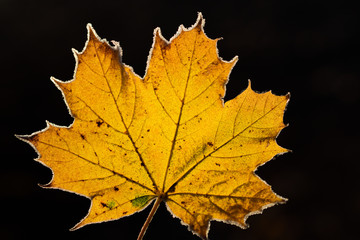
(116, 189)
(109, 204)
(140, 201)
(99, 123)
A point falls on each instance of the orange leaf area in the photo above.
(168, 135)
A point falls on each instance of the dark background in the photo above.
(307, 48)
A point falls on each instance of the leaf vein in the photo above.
(99, 165)
(123, 121)
(215, 150)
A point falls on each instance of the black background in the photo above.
(307, 48)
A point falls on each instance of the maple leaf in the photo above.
(167, 137)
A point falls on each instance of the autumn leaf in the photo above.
(167, 137)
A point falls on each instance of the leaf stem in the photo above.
(149, 218)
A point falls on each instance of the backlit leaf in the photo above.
(168, 135)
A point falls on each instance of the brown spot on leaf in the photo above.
(99, 123)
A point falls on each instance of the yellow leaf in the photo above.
(168, 136)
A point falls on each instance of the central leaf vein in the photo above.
(123, 121)
(180, 114)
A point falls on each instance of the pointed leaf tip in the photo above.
(249, 84)
(22, 137)
(92, 35)
(89, 28)
(157, 33)
(26, 138)
(200, 21)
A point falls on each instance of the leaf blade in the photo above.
(168, 136)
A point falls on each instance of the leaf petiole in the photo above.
(149, 218)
